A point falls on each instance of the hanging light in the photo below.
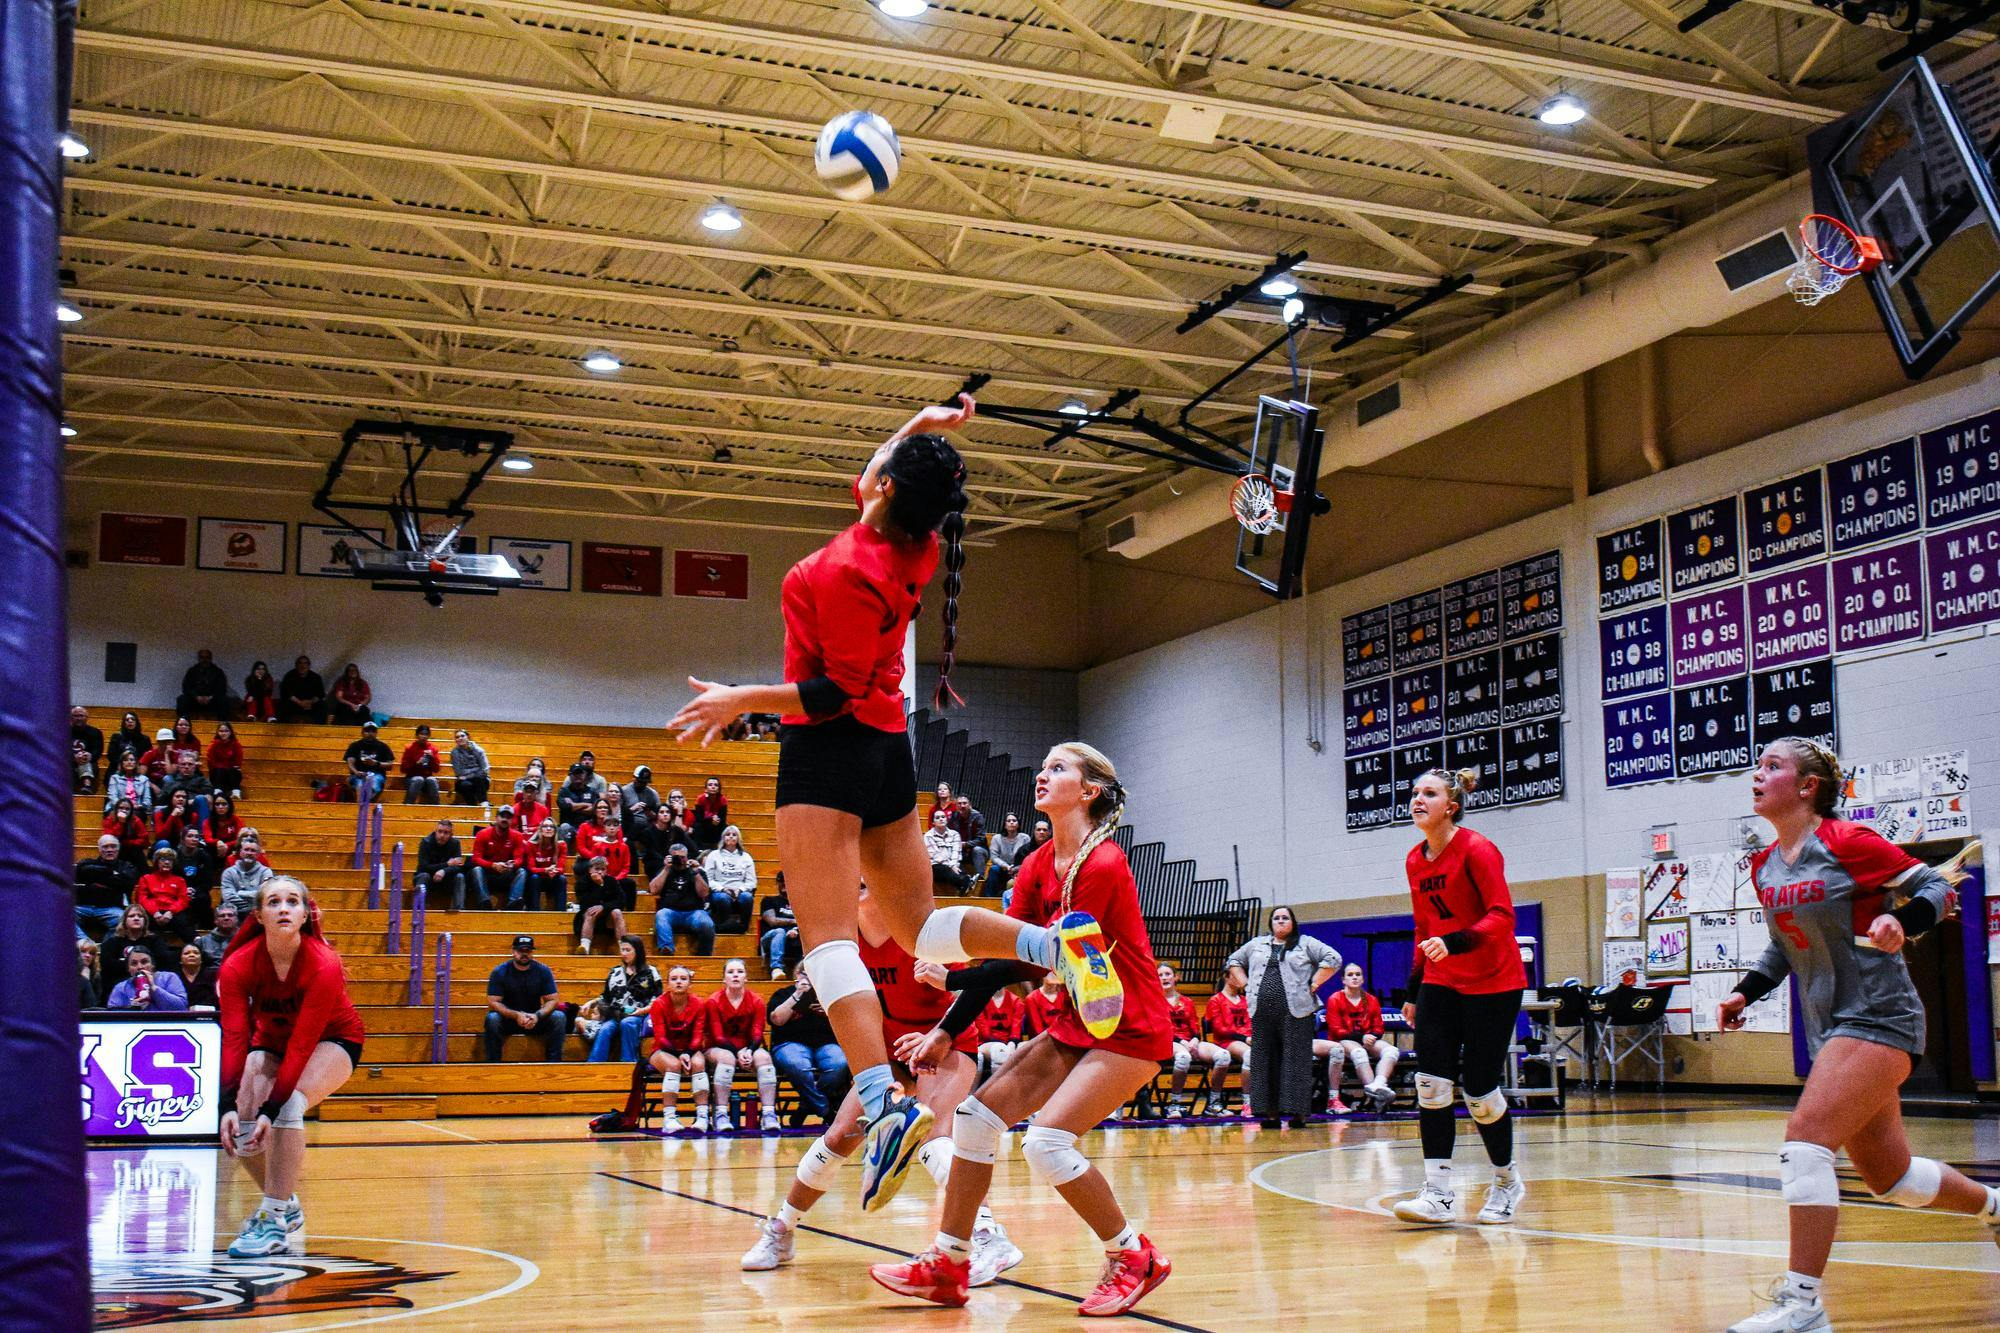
(67, 313)
(720, 216)
(602, 363)
(73, 147)
(68, 431)
(1293, 310)
(902, 9)
(1074, 407)
(1562, 109)
(518, 463)
(1280, 285)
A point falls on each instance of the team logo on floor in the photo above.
(141, 1292)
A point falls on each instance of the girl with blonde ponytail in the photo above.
(1072, 1076)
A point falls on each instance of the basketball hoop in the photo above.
(1258, 505)
(1835, 252)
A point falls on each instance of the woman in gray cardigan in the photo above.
(1286, 970)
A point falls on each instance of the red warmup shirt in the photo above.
(1105, 889)
(846, 607)
(538, 861)
(1038, 1011)
(1181, 1015)
(292, 1015)
(159, 893)
(908, 1005)
(490, 848)
(221, 832)
(1000, 1020)
(1228, 1018)
(1462, 897)
(680, 1029)
(1350, 1022)
(735, 1026)
(225, 754)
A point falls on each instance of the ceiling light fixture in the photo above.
(1074, 407)
(1562, 109)
(1293, 310)
(602, 363)
(67, 313)
(518, 463)
(720, 216)
(73, 147)
(68, 431)
(1280, 285)
(902, 9)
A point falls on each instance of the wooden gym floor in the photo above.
(1649, 1213)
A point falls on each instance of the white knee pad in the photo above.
(1919, 1186)
(1052, 1156)
(820, 1167)
(700, 1085)
(1485, 1108)
(292, 1115)
(937, 938)
(670, 1085)
(1222, 1059)
(1433, 1093)
(767, 1077)
(975, 1132)
(837, 972)
(725, 1074)
(1805, 1172)
(1182, 1059)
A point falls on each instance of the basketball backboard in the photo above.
(1284, 449)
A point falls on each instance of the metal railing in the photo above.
(441, 998)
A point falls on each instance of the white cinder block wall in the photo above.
(1214, 762)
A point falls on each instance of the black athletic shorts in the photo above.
(1463, 1037)
(842, 764)
(353, 1049)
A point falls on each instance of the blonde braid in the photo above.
(1104, 829)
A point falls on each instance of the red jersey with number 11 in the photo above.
(1462, 898)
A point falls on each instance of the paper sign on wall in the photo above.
(1663, 890)
(1753, 936)
(1667, 945)
(1680, 1011)
(1714, 943)
(1621, 902)
(1623, 959)
(1709, 989)
(1897, 780)
(1745, 882)
(1711, 884)
(1773, 1013)
(1945, 772)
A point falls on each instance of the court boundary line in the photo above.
(877, 1246)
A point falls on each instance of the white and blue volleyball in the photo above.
(858, 155)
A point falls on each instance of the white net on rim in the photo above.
(1254, 501)
(1831, 259)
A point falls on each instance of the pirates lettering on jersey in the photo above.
(1792, 895)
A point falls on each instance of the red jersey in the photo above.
(1105, 889)
(1228, 1018)
(1462, 898)
(291, 1015)
(1180, 1013)
(1038, 1011)
(1000, 1020)
(680, 1029)
(1346, 1021)
(847, 607)
(490, 848)
(908, 1005)
(735, 1026)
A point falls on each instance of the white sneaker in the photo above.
(770, 1122)
(1174, 1112)
(586, 946)
(1790, 1311)
(774, 1247)
(777, 974)
(1380, 1094)
(993, 1253)
(1501, 1201)
(670, 1123)
(1431, 1205)
(701, 1122)
(723, 1124)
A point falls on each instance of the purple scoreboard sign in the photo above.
(152, 1077)
(1707, 640)
(1878, 598)
(1788, 618)
(1962, 576)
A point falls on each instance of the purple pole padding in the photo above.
(361, 829)
(441, 998)
(375, 846)
(416, 942)
(396, 869)
(392, 941)
(44, 1256)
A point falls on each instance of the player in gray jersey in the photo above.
(1840, 901)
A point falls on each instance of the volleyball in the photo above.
(857, 155)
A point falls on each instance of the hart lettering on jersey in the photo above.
(1792, 895)
(885, 976)
(281, 1006)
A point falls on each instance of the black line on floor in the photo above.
(893, 1251)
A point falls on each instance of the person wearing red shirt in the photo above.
(162, 893)
(529, 812)
(221, 828)
(420, 765)
(1227, 1018)
(998, 1032)
(1070, 1078)
(350, 699)
(496, 860)
(290, 1038)
(171, 818)
(1468, 980)
(846, 792)
(1040, 1007)
(711, 816)
(1354, 1034)
(1186, 1025)
(603, 828)
(545, 861)
(736, 1038)
(225, 761)
(680, 1032)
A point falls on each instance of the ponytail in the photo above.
(930, 498)
(952, 533)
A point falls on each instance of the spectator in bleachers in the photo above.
(735, 1038)
(1041, 1006)
(86, 751)
(943, 801)
(680, 817)
(214, 943)
(103, 886)
(170, 818)
(441, 867)
(222, 827)
(529, 812)
(711, 816)
(637, 800)
(260, 693)
(244, 876)
(205, 690)
(472, 775)
(496, 861)
(352, 698)
(135, 835)
(602, 827)
(653, 841)
(521, 1002)
(249, 847)
(197, 977)
(420, 765)
(732, 883)
(158, 761)
(627, 1002)
(778, 940)
(302, 694)
(680, 1036)
(587, 761)
(130, 738)
(145, 987)
(998, 1032)
(1354, 1034)
(1286, 970)
(681, 891)
(1006, 847)
(89, 986)
(946, 850)
(164, 895)
(368, 759)
(202, 869)
(225, 759)
(545, 861)
(971, 825)
(134, 935)
(1227, 1019)
(537, 773)
(191, 784)
(804, 1050)
(1187, 1041)
(599, 892)
(576, 803)
(129, 785)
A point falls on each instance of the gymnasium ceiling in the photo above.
(298, 213)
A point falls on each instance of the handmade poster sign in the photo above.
(1667, 946)
(1621, 902)
(1710, 884)
(1662, 891)
(1624, 963)
(1715, 943)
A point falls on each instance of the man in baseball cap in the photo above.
(521, 1001)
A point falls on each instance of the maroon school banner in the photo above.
(141, 539)
(633, 570)
(712, 574)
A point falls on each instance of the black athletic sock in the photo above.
(1499, 1140)
(1439, 1129)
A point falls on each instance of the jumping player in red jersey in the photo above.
(1468, 978)
(846, 778)
(1829, 890)
(736, 1038)
(1070, 1078)
(290, 1038)
(911, 1004)
(1227, 1018)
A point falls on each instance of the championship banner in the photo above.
(1873, 496)
(151, 1076)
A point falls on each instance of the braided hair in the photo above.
(1106, 809)
(1815, 760)
(930, 498)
